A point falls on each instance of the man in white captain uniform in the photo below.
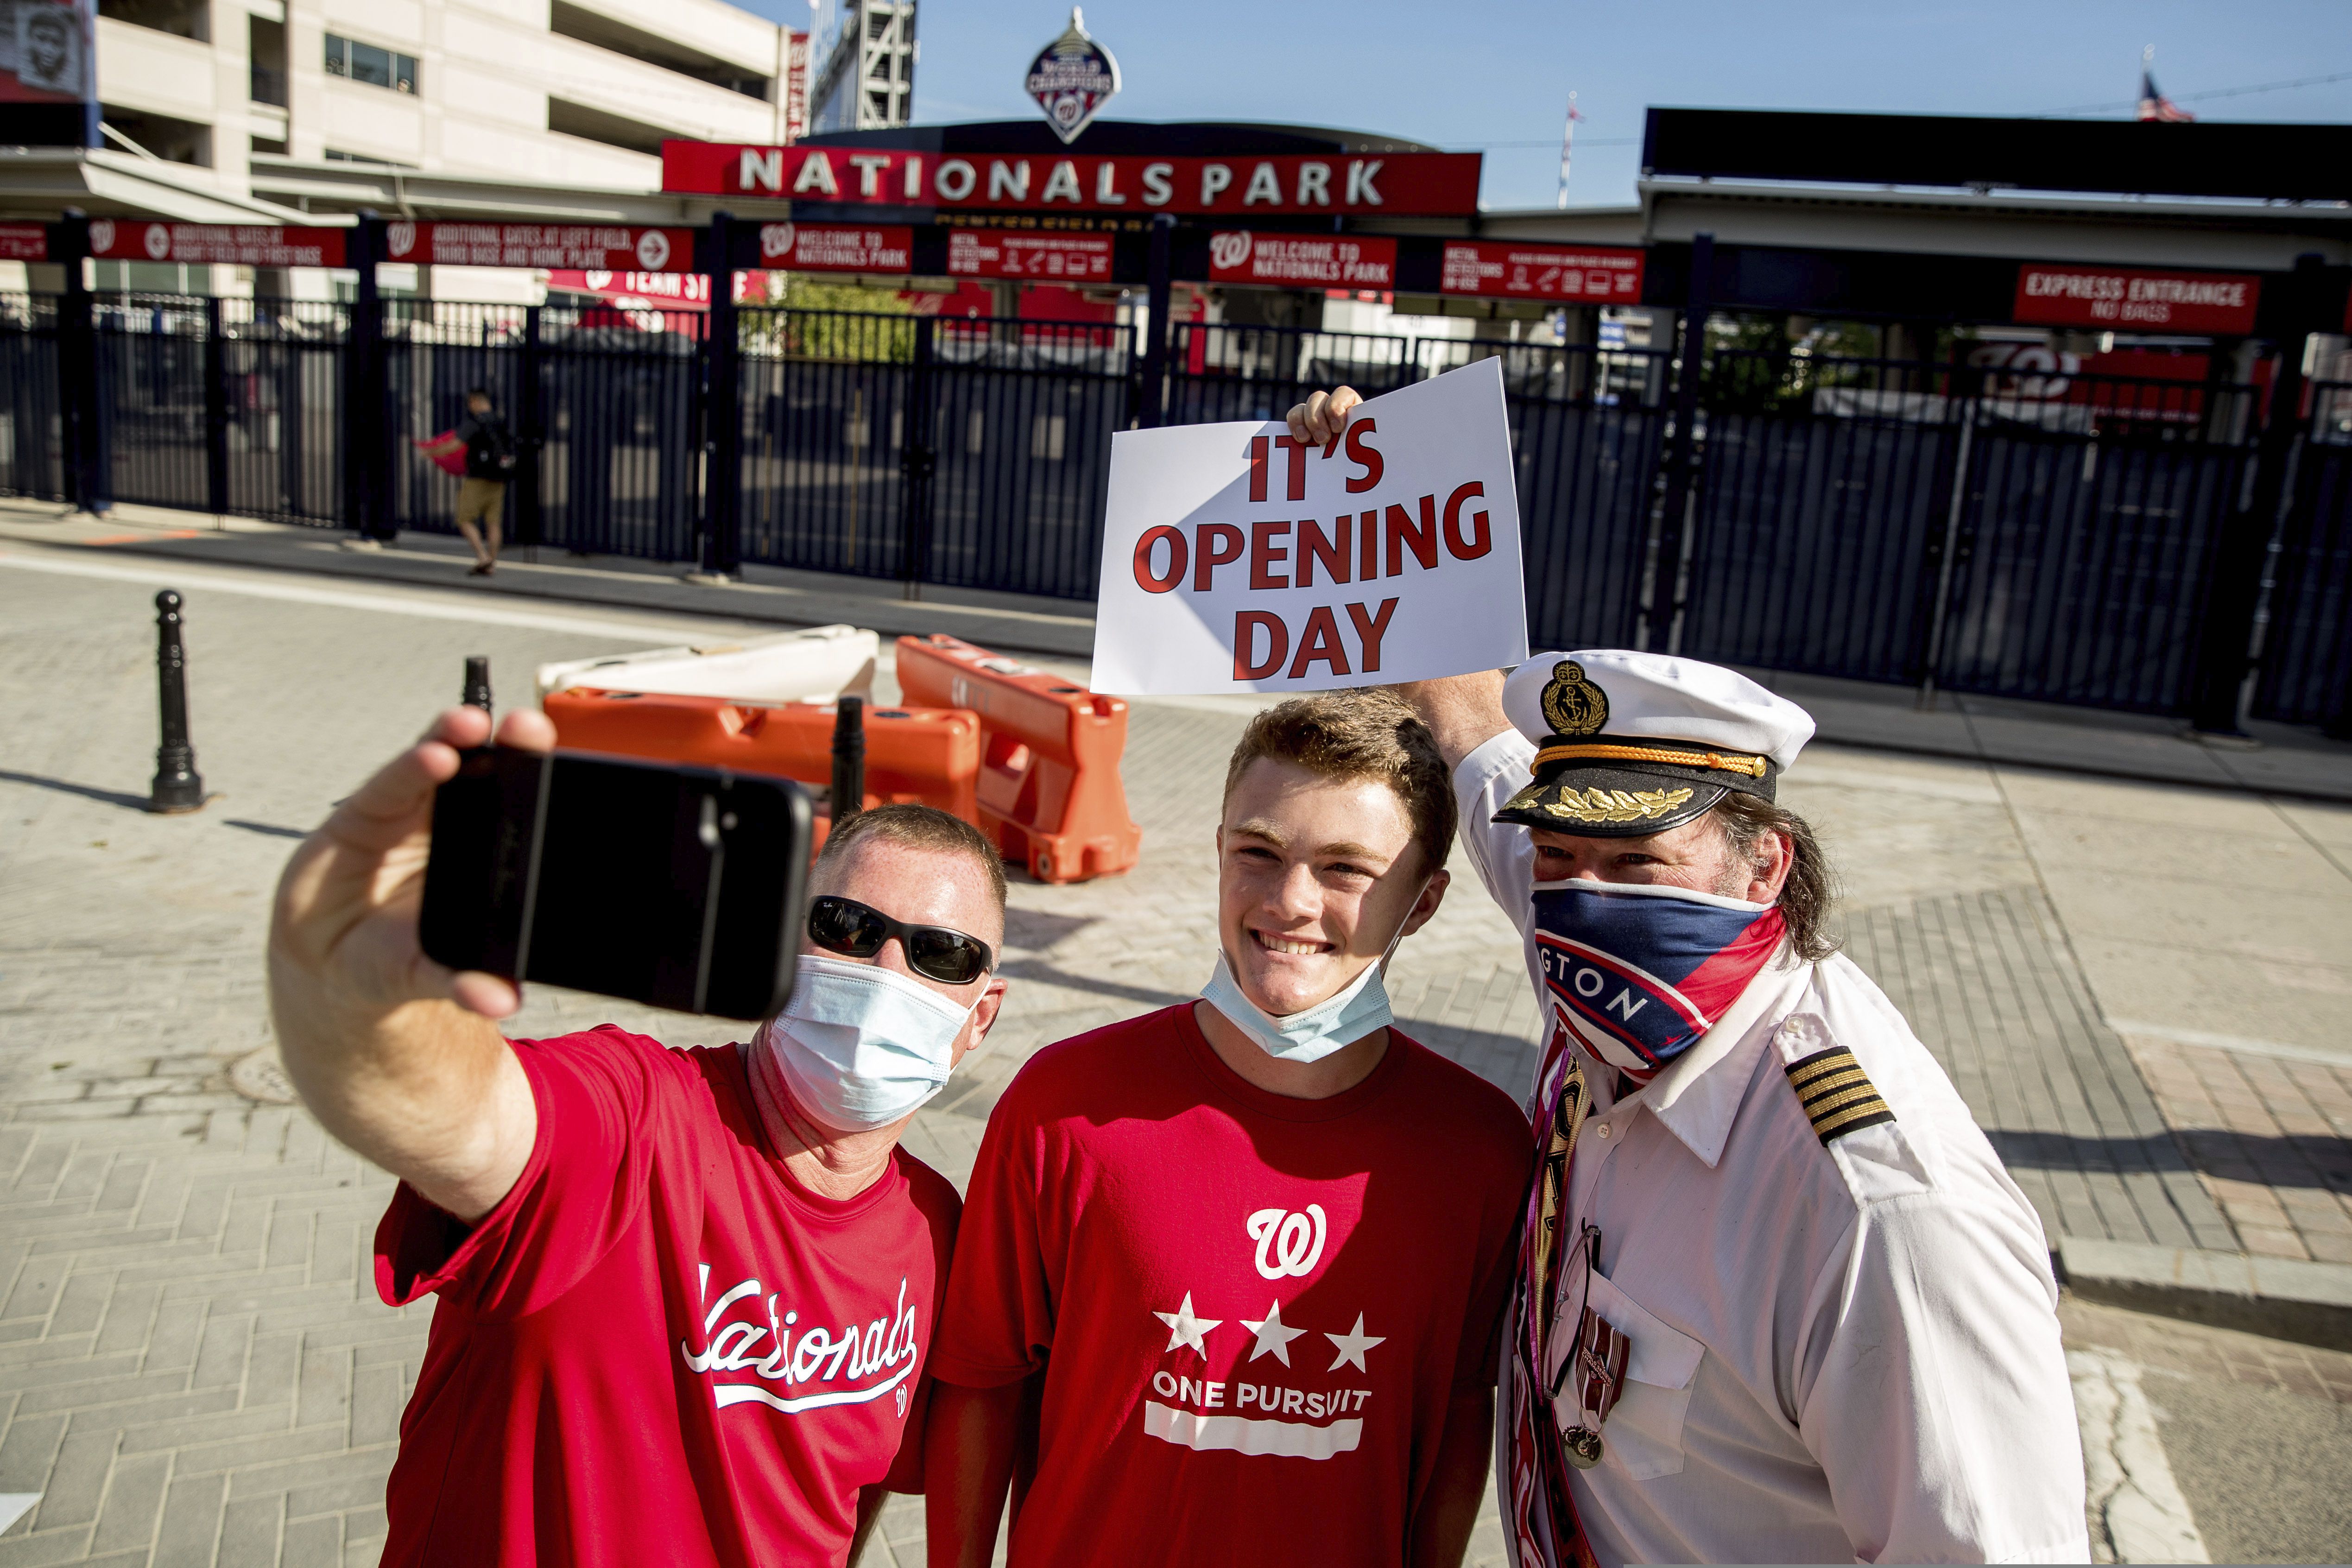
(1839, 1309)
(1787, 1307)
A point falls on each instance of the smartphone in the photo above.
(679, 886)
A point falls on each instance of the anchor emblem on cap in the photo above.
(1572, 705)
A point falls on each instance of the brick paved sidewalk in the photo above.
(193, 1365)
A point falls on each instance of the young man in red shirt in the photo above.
(686, 1297)
(1253, 1250)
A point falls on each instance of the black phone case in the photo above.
(678, 887)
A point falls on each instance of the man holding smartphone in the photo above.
(686, 1297)
(1254, 1248)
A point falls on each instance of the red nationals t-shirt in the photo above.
(1253, 1310)
(659, 1348)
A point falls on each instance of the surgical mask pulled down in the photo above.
(860, 1047)
(1313, 1033)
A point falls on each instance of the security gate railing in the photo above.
(32, 445)
(2305, 673)
(1977, 527)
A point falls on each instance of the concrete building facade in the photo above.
(258, 111)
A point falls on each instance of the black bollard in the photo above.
(477, 681)
(848, 759)
(178, 787)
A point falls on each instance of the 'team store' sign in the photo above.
(1397, 183)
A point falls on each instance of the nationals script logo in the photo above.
(766, 1339)
(1229, 249)
(1288, 1245)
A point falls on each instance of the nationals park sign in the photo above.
(1235, 558)
(1404, 184)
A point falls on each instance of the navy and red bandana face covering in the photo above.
(1642, 970)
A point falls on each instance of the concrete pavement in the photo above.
(193, 1369)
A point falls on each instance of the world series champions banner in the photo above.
(1236, 559)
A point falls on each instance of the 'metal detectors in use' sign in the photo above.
(1398, 183)
(1509, 270)
(1312, 261)
(2116, 300)
(1056, 258)
(1235, 558)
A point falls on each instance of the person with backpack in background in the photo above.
(489, 451)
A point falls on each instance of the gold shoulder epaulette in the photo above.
(1837, 1095)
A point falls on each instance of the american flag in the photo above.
(2154, 105)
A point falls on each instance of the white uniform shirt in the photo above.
(1847, 1351)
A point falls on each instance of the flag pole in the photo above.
(1567, 143)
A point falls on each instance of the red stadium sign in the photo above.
(836, 248)
(1507, 270)
(1051, 258)
(24, 242)
(1403, 184)
(2118, 300)
(596, 247)
(1302, 260)
(236, 245)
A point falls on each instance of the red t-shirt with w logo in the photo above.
(660, 1347)
(1253, 1310)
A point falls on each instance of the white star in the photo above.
(1272, 1335)
(1184, 1329)
(1353, 1345)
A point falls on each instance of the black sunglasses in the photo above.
(858, 930)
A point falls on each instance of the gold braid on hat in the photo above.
(1587, 751)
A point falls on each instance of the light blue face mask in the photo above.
(860, 1046)
(1313, 1033)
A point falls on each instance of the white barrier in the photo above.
(821, 663)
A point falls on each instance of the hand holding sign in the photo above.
(1239, 557)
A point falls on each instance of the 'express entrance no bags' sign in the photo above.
(1235, 558)
(2117, 300)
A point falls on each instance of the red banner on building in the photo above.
(236, 245)
(1302, 260)
(796, 88)
(836, 248)
(1402, 184)
(1048, 257)
(596, 247)
(2118, 300)
(1507, 270)
(24, 242)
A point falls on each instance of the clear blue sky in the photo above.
(1471, 74)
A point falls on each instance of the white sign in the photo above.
(1235, 558)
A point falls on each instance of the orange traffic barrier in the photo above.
(1050, 794)
(924, 756)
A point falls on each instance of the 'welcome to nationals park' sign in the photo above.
(1404, 184)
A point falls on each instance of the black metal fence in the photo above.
(32, 445)
(2039, 534)
(2305, 670)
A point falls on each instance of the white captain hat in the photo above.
(1632, 743)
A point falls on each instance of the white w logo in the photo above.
(1287, 1244)
(1229, 249)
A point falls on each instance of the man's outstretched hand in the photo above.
(394, 1053)
(347, 904)
(1323, 415)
